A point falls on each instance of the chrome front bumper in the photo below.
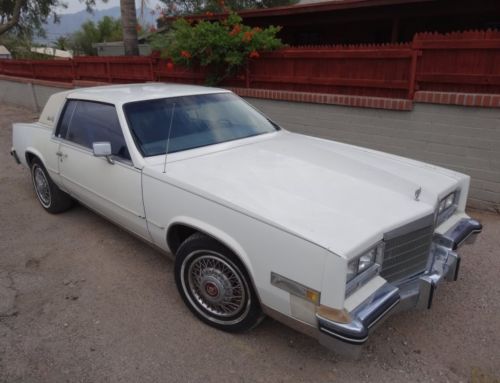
(417, 292)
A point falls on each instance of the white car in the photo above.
(326, 237)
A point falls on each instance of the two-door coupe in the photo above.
(327, 237)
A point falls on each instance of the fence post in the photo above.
(33, 72)
(151, 72)
(108, 69)
(247, 75)
(413, 71)
(73, 70)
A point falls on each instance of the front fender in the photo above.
(215, 233)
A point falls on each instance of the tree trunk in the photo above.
(16, 14)
(129, 25)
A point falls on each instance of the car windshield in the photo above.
(192, 122)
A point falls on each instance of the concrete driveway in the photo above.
(83, 301)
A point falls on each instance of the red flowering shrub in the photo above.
(236, 30)
(222, 46)
(247, 37)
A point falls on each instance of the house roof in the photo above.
(3, 50)
(52, 52)
(301, 8)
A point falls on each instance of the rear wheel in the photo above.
(52, 199)
(215, 286)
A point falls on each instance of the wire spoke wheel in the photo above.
(215, 287)
(42, 187)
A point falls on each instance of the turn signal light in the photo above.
(335, 315)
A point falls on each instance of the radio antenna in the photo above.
(168, 137)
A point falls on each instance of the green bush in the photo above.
(223, 46)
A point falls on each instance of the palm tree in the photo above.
(129, 25)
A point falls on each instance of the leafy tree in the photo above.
(107, 29)
(18, 44)
(27, 16)
(223, 46)
(62, 43)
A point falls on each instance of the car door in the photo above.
(112, 189)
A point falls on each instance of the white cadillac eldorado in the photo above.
(326, 237)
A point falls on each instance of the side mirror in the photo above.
(103, 149)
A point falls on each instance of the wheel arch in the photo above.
(182, 227)
(32, 153)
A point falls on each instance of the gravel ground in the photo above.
(83, 301)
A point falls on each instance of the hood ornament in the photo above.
(417, 194)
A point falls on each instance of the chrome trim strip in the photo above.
(382, 316)
(344, 338)
(368, 314)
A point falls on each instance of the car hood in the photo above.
(338, 196)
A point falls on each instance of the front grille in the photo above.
(407, 250)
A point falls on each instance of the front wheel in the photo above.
(215, 286)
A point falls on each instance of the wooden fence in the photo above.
(455, 62)
(467, 62)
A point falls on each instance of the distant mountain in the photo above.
(71, 22)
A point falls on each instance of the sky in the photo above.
(76, 5)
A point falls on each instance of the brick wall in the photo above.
(466, 139)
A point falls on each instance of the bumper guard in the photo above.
(417, 292)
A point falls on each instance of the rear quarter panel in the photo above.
(37, 139)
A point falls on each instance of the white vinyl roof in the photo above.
(120, 94)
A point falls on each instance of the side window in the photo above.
(95, 122)
(66, 115)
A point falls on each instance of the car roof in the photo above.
(120, 94)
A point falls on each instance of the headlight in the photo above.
(446, 207)
(365, 261)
